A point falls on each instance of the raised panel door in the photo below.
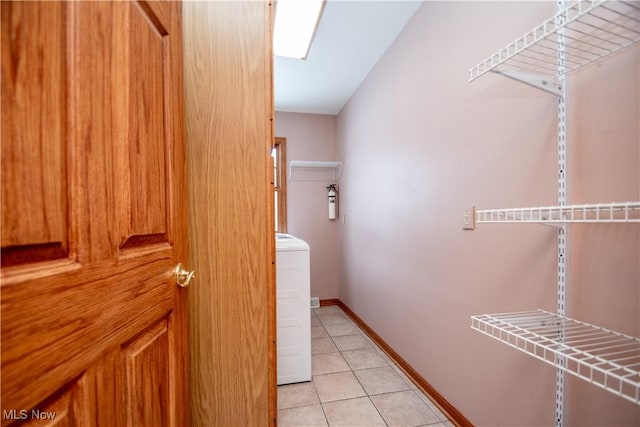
(93, 214)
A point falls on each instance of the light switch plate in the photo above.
(469, 219)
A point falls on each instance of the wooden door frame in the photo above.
(229, 123)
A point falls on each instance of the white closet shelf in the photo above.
(589, 213)
(592, 29)
(335, 168)
(602, 357)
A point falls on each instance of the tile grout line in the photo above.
(377, 410)
(324, 414)
(364, 388)
(367, 395)
(389, 363)
(417, 390)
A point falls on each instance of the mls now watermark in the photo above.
(23, 414)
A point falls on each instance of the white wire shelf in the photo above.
(602, 357)
(329, 170)
(625, 212)
(591, 30)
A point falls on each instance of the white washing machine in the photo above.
(293, 309)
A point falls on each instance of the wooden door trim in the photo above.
(271, 241)
(229, 138)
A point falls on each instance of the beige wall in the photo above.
(420, 144)
(312, 137)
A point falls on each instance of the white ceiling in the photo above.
(350, 39)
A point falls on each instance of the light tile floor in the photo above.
(353, 383)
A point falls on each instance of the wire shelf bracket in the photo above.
(607, 359)
(586, 31)
(548, 84)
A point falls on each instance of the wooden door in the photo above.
(229, 114)
(93, 221)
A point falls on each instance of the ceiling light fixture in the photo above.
(296, 23)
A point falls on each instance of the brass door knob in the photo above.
(183, 276)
